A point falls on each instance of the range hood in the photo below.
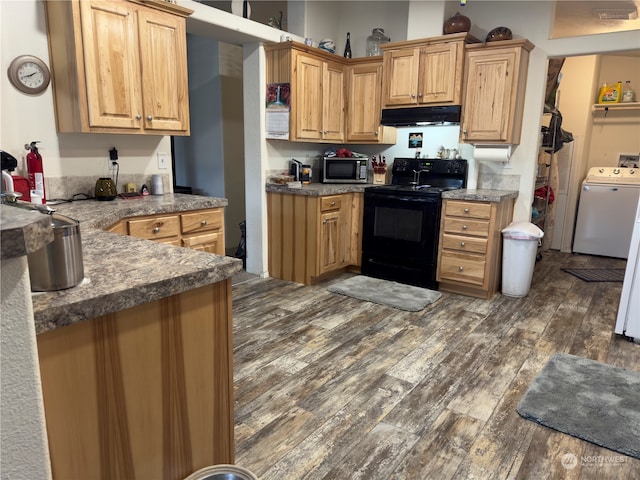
(417, 116)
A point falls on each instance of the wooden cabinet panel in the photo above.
(364, 91)
(152, 228)
(205, 242)
(202, 220)
(468, 209)
(463, 268)
(119, 67)
(143, 393)
(330, 241)
(333, 102)
(309, 98)
(469, 227)
(163, 57)
(401, 77)
(495, 83)
(440, 73)
(110, 44)
(464, 243)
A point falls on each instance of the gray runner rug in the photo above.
(385, 292)
(590, 400)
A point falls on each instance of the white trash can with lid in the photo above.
(520, 244)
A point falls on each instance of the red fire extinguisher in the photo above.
(35, 170)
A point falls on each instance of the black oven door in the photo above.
(400, 237)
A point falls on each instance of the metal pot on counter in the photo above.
(59, 264)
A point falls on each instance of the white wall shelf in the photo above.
(615, 106)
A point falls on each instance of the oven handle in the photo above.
(400, 198)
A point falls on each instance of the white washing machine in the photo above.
(606, 211)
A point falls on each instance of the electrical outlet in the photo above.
(163, 160)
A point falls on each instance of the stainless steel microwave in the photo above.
(344, 170)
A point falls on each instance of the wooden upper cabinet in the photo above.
(424, 72)
(119, 67)
(319, 112)
(319, 109)
(364, 90)
(495, 84)
(317, 90)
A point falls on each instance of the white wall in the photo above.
(25, 451)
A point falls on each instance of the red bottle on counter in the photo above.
(35, 170)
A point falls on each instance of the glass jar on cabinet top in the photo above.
(374, 41)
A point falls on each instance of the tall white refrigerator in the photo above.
(628, 322)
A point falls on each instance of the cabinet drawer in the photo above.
(334, 202)
(156, 227)
(468, 209)
(462, 268)
(207, 242)
(464, 244)
(465, 226)
(202, 221)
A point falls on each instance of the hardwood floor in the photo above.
(331, 387)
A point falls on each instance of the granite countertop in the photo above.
(319, 189)
(22, 231)
(480, 195)
(122, 271)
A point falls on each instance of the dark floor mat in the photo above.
(597, 274)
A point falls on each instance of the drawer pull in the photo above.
(460, 269)
(464, 227)
(462, 244)
(156, 230)
(149, 117)
(203, 223)
(333, 204)
(466, 210)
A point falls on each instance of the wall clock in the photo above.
(29, 74)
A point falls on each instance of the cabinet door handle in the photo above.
(420, 95)
(460, 269)
(413, 95)
(149, 117)
(462, 244)
(203, 223)
(464, 227)
(466, 210)
(138, 117)
(156, 230)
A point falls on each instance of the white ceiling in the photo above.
(576, 18)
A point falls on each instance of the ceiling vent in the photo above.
(630, 13)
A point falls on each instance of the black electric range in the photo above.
(402, 220)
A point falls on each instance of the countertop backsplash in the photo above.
(66, 187)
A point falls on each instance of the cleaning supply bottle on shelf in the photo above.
(628, 94)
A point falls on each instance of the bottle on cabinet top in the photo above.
(347, 47)
(374, 41)
(628, 94)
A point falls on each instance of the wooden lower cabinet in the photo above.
(201, 230)
(313, 237)
(143, 393)
(470, 246)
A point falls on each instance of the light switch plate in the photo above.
(163, 160)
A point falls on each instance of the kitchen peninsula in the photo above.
(136, 361)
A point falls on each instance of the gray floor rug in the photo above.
(597, 274)
(385, 292)
(590, 400)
